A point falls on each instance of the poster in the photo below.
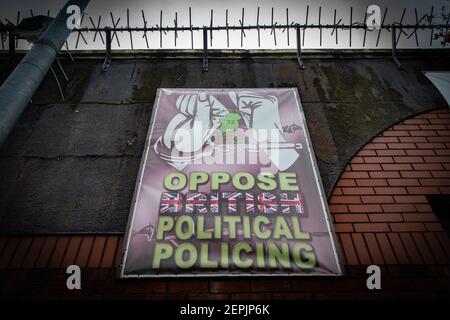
(228, 186)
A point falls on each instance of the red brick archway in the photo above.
(381, 216)
(379, 205)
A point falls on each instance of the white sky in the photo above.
(201, 16)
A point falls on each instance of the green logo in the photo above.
(230, 122)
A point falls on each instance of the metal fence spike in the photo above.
(415, 24)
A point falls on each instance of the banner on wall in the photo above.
(228, 185)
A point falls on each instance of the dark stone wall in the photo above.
(70, 167)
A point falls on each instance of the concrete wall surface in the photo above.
(70, 167)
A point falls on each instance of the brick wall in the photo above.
(381, 216)
(379, 204)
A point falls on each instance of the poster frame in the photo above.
(337, 253)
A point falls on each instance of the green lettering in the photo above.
(197, 178)
(266, 181)
(191, 253)
(250, 181)
(307, 260)
(277, 255)
(182, 221)
(241, 263)
(162, 251)
(180, 179)
(281, 228)
(165, 223)
(218, 178)
(257, 227)
(288, 181)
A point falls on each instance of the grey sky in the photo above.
(201, 16)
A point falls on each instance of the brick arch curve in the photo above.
(380, 211)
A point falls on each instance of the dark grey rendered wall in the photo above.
(71, 167)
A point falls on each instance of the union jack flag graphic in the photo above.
(296, 202)
(232, 200)
(249, 203)
(196, 200)
(267, 203)
(171, 202)
(214, 202)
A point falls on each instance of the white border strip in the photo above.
(137, 187)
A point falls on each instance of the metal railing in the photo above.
(424, 23)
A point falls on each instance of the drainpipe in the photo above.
(17, 91)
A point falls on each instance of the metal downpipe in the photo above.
(17, 91)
